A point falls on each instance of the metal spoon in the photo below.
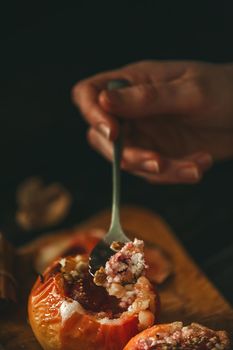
(102, 252)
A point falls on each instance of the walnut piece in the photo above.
(100, 277)
(116, 246)
(41, 206)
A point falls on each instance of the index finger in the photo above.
(85, 96)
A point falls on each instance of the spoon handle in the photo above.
(115, 221)
(115, 227)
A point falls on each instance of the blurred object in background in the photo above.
(41, 206)
(8, 284)
(68, 242)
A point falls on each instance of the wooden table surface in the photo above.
(187, 296)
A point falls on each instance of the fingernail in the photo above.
(151, 166)
(205, 159)
(188, 173)
(104, 130)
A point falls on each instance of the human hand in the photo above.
(178, 117)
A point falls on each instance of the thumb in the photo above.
(145, 100)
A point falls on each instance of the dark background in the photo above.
(45, 48)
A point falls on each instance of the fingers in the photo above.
(132, 157)
(100, 143)
(156, 88)
(89, 97)
(152, 166)
(85, 97)
(143, 100)
(143, 160)
(179, 171)
(173, 171)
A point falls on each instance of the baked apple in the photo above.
(175, 336)
(70, 310)
(69, 242)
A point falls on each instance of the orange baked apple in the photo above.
(175, 336)
(70, 310)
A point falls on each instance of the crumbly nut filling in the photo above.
(122, 277)
(193, 337)
(127, 264)
(73, 267)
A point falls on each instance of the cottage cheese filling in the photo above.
(193, 337)
(123, 276)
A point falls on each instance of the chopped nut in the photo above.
(100, 277)
(72, 268)
(117, 290)
(129, 287)
(116, 246)
(69, 265)
(81, 266)
(146, 319)
(74, 273)
(68, 277)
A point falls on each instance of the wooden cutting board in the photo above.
(187, 296)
